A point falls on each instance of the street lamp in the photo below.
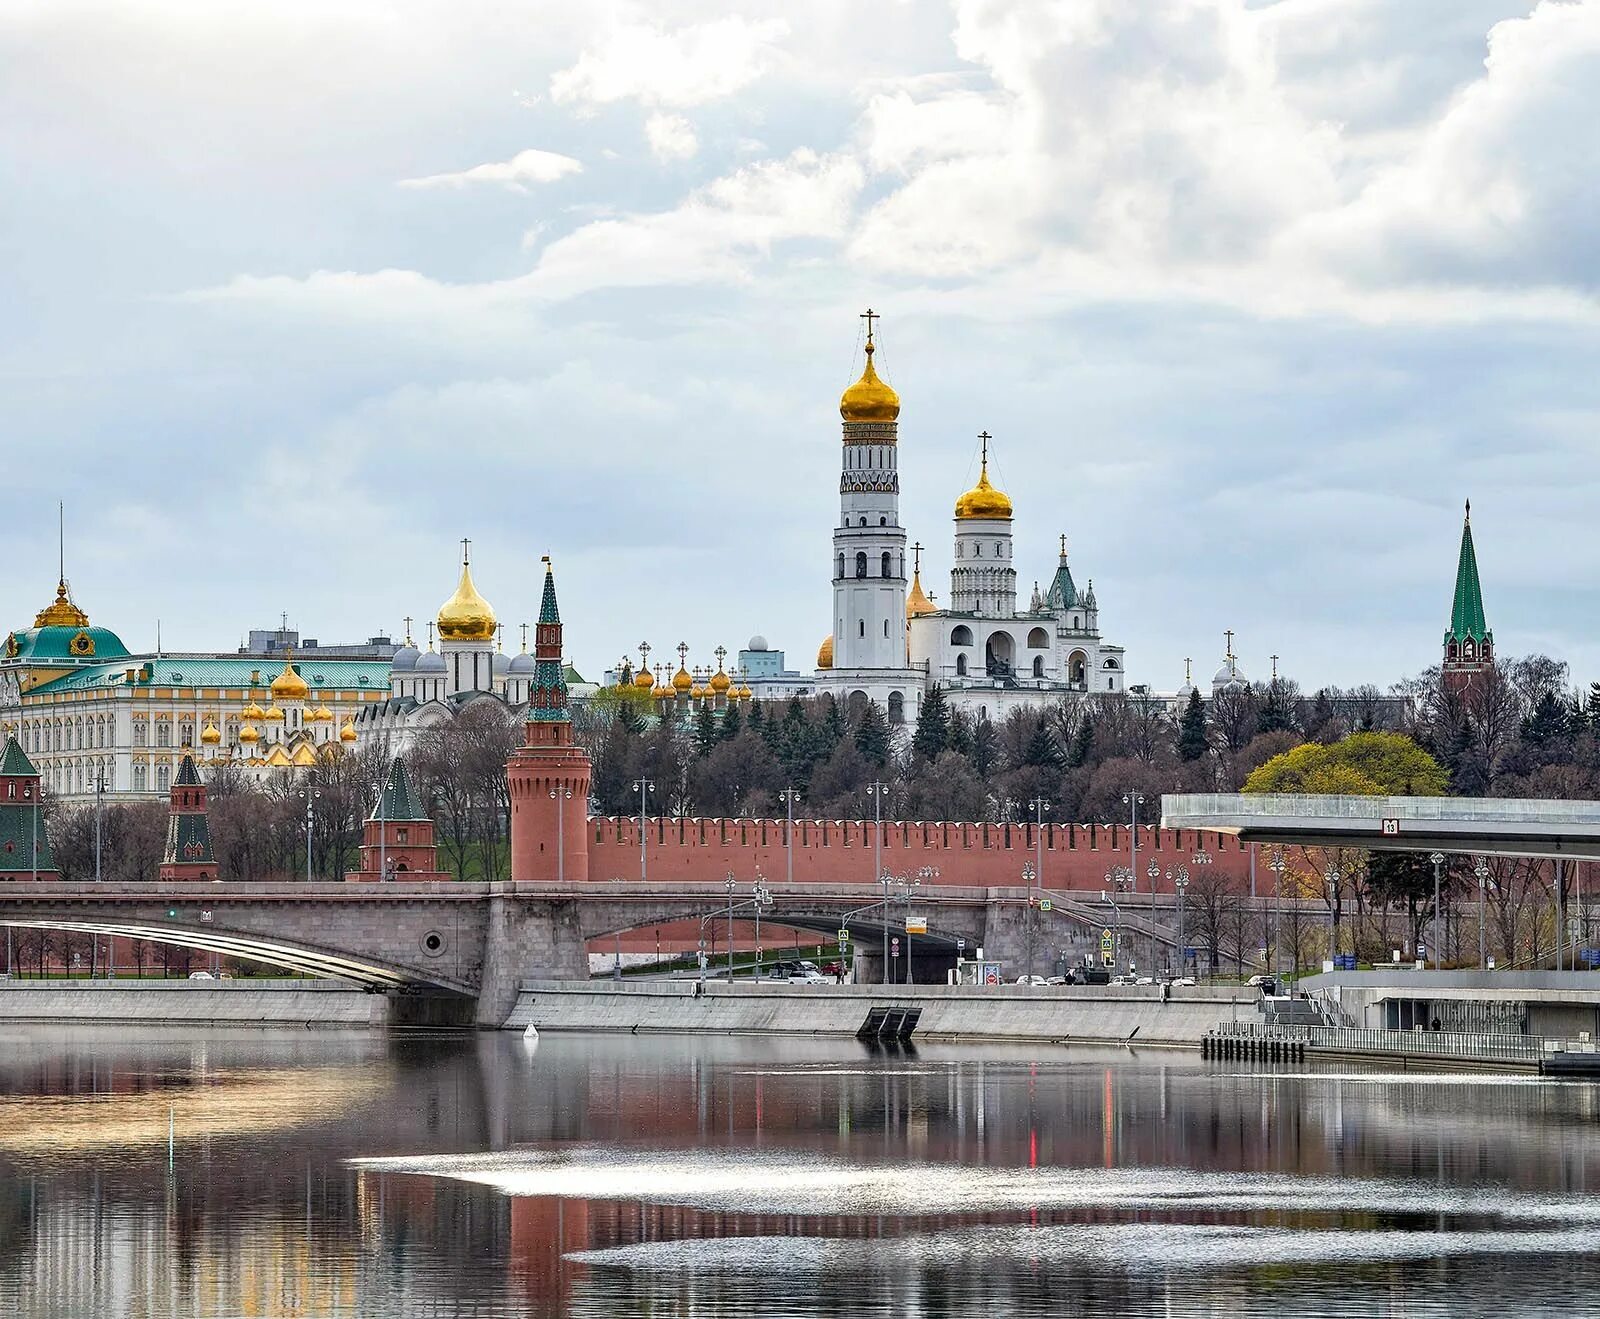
(763, 899)
(644, 788)
(875, 790)
(789, 796)
(1332, 876)
(1029, 874)
(1153, 870)
(99, 806)
(561, 796)
(1133, 801)
(1276, 865)
(1120, 878)
(1480, 868)
(1180, 882)
(1438, 859)
(730, 884)
(311, 808)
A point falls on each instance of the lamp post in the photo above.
(1153, 870)
(763, 899)
(1119, 877)
(1029, 874)
(644, 788)
(876, 790)
(1480, 868)
(1275, 863)
(1116, 922)
(561, 795)
(1438, 859)
(730, 884)
(789, 796)
(99, 806)
(38, 801)
(1332, 876)
(1180, 882)
(886, 881)
(311, 816)
(1133, 801)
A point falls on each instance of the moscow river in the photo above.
(350, 1174)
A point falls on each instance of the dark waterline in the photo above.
(343, 1174)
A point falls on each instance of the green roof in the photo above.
(397, 801)
(188, 775)
(14, 760)
(180, 671)
(65, 643)
(1063, 593)
(188, 841)
(1467, 620)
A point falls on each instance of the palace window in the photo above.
(861, 564)
(886, 562)
(1038, 666)
(961, 666)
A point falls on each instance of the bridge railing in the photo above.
(1453, 810)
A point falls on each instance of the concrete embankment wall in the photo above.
(310, 1003)
(1063, 1014)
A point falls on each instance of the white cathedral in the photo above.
(890, 644)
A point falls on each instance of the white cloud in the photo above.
(690, 66)
(531, 166)
(671, 136)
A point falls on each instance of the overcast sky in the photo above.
(1252, 296)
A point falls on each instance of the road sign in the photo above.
(1391, 828)
(205, 914)
(894, 947)
(960, 944)
(1044, 904)
(1105, 956)
(1107, 941)
(844, 936)
(916, 924)
(991, 973)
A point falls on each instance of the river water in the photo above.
(349, 1174)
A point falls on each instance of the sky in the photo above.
(1252, 296)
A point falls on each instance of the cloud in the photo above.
(690, 66)
(671, 137)
(531, 166)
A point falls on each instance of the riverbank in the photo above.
(1057, 1014)
(314, 1004)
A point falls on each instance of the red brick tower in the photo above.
(397, 839)
(188, 855)
(549, 775)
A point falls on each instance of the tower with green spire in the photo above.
(1468, 642)
(24, 844)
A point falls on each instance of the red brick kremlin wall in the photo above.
(1076, 856)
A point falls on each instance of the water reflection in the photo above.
(345, 1174)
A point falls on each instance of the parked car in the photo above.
(813, 977)
(201, 975)
(833, 968)
(1031, 980)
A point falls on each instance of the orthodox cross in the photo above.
(407, 621)
(916, 562)
(869, 316)
(1274, 660)
(430, 634)
(465, 545)
(719, 652)
(524, 638)
(1229, 635)
(499, 636)
(1063, 544)
(985, 437)
(644, 654)
(683, 651)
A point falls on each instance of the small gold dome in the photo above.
(321, 715)
(983, 501)
(209, 736)
(466, 616)
(289, 687)
(745, 694)
(720, 682)
(248, 735)
(696, 692)
(681, 680)
(273, 715)
(869, 399)
(825, 653)
(917, 603)
(644, 680)
(348, 732)
(254, 711)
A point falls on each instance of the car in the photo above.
(833, 968)
(1031, 980)
(201, 975)
(809, 978)
(1268, 985)
(1096, 975)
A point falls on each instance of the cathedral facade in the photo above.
(891, 643)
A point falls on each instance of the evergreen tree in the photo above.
(1274, 714)
(960, 737)
(705, 731)
(730, 723)
(1320, 724)
(1192, 742)
(933, 726)
(1592, 710)
(1546, 728)
(1082, 744)
(1041, 751)
(985, 752)
(872, 735)
(756, 720)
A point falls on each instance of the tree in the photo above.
(705, 731)
(872, 734)
(1363, 764)
(947, 789)
(1042, 751)
(933, 726)
(1192, 742)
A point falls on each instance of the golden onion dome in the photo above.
(348, 732)
(253, 711)
(720, 682)
(273, 715)
(248, 735)
(209, 736)
(644, 680)
(696, 692)
(983, 500)
(825, 653)
(466, 616)
(682, 680)
(869, 399)
(917, 603)
(289, 687)
(321, 715)
(745, 694)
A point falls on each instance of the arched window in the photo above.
(163, 777)
(1111, 684)
(863, 522)
(840, 572)
(861, 564)
(897, 708)
(977, 550)
(1038, 639)
(883, 522)
(862, 626)
(1038, 666)
(138, 778)
(886, 562)
(961, 666)
(961, 636)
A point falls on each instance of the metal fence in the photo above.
(1462, 1046)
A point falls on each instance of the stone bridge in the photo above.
(475, 943)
